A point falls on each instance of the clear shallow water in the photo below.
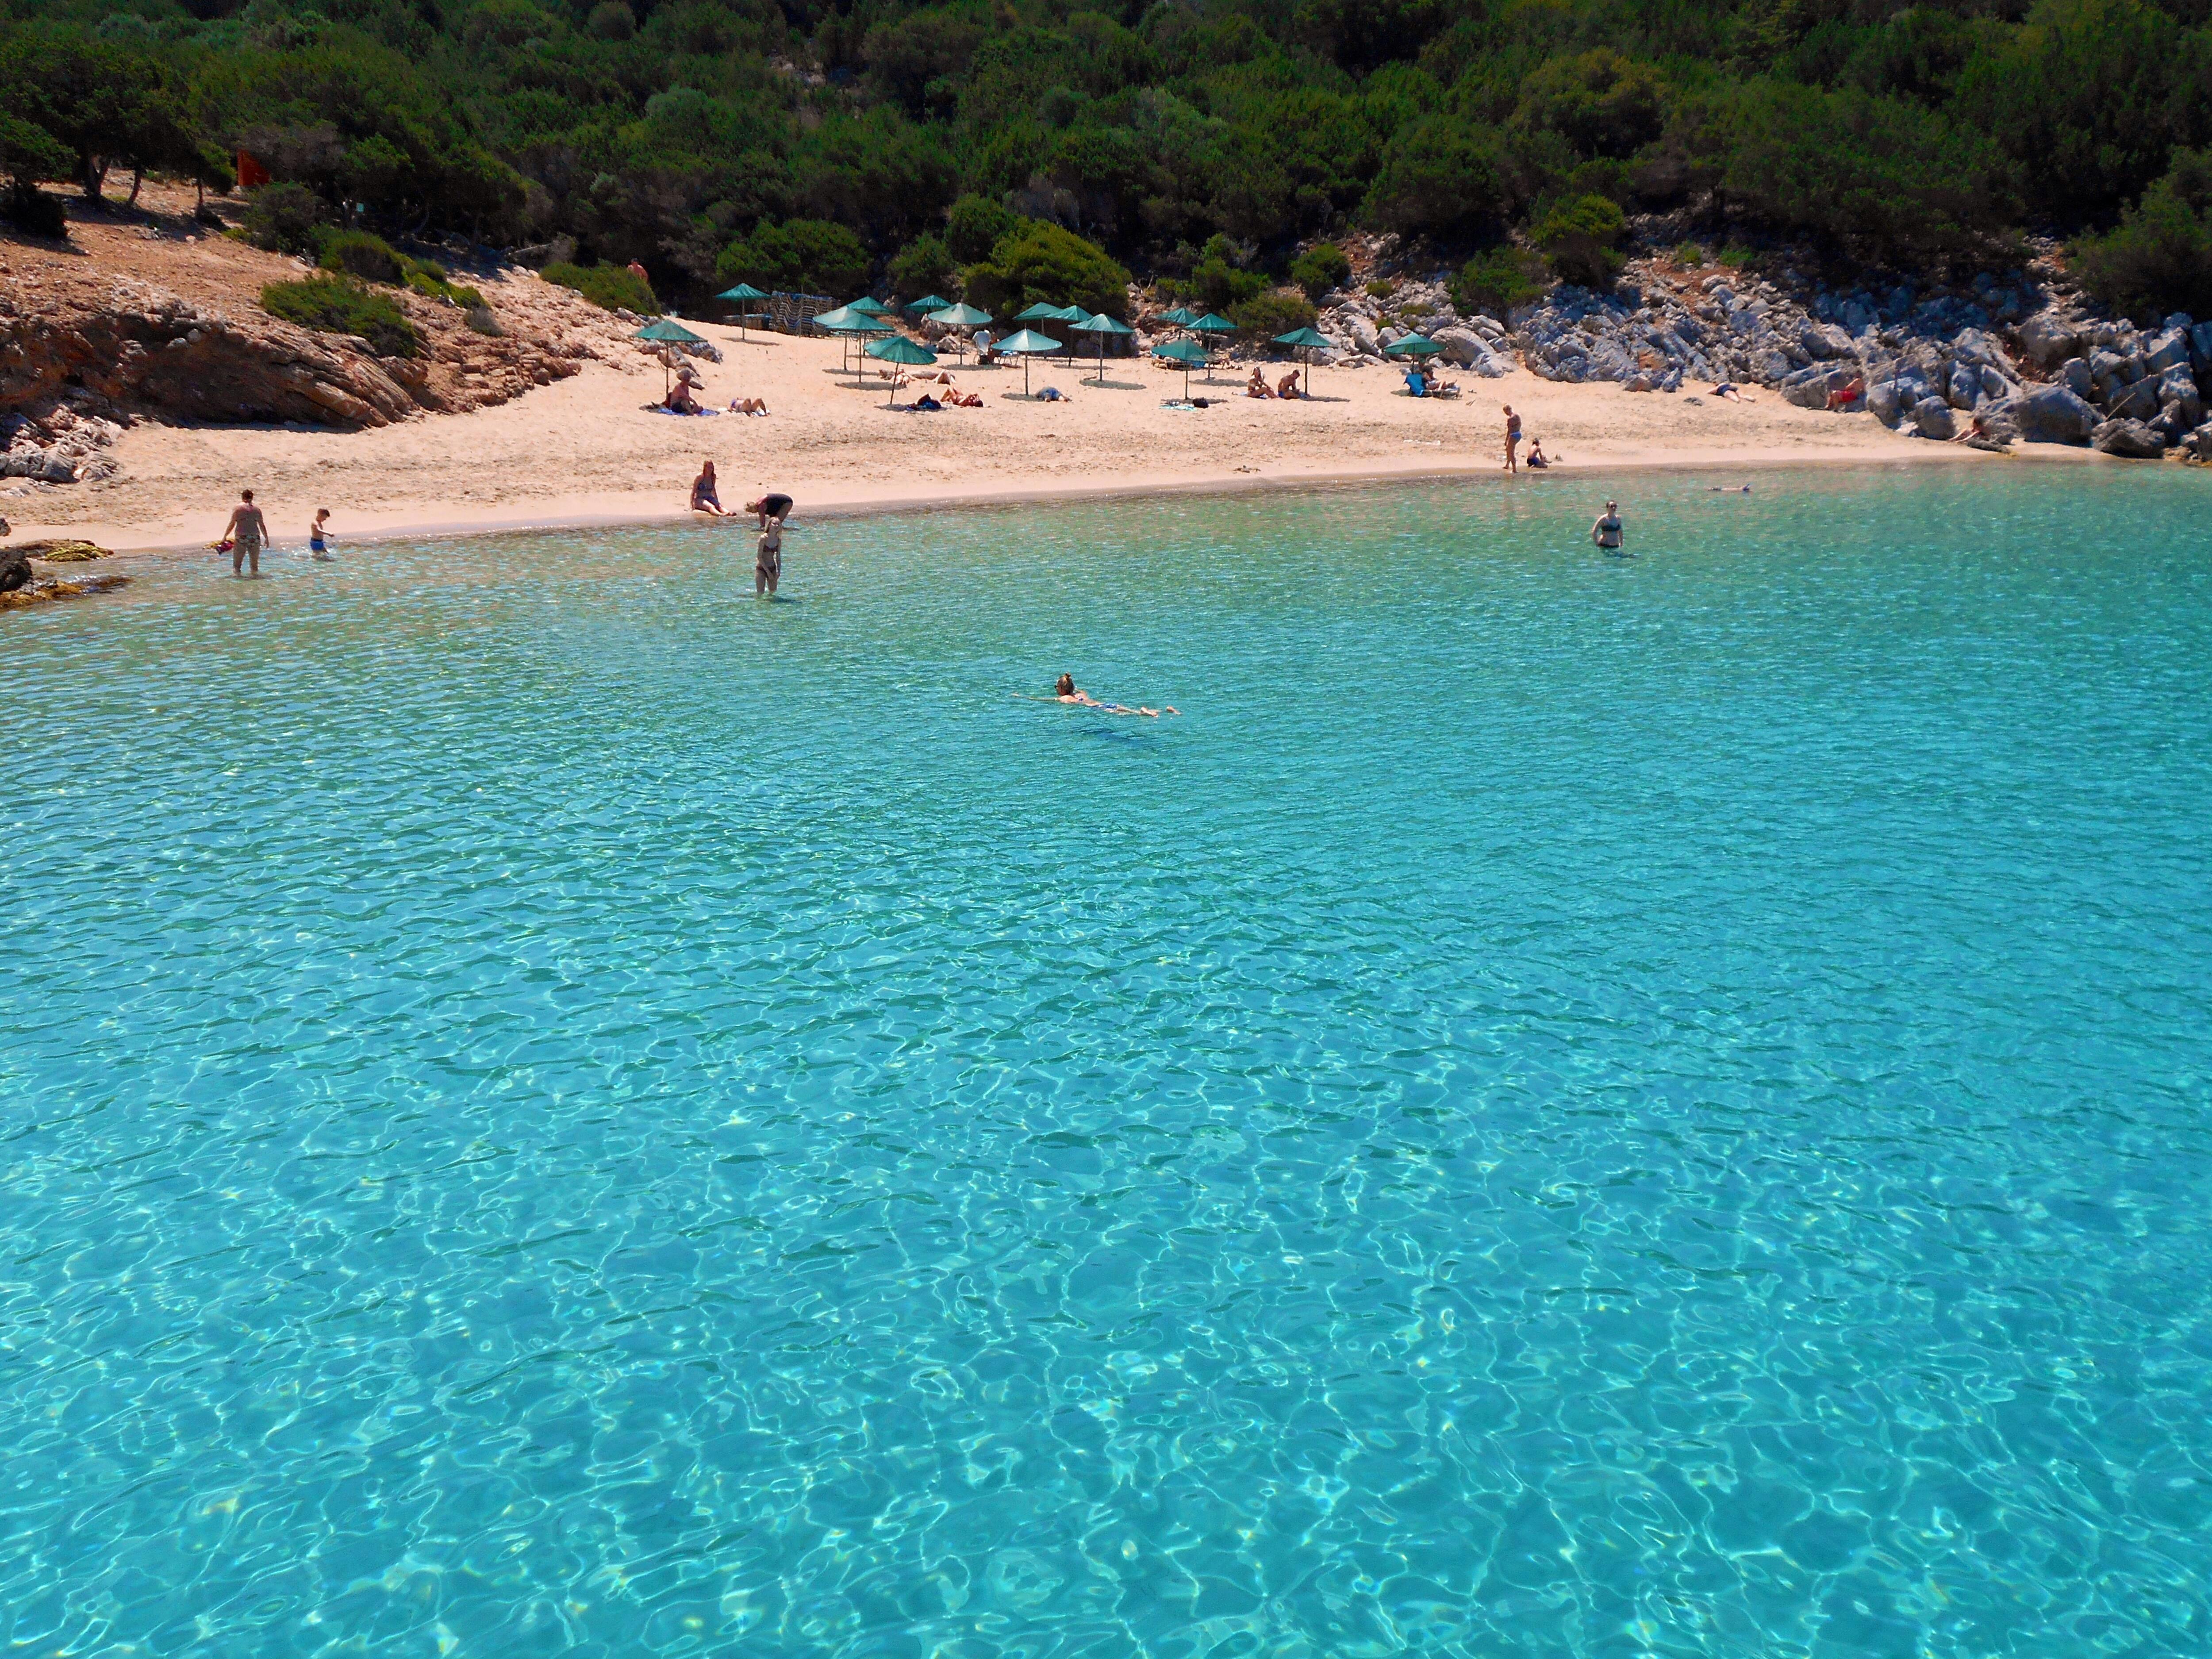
(1568, 1107)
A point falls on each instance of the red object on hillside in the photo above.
(251, 172)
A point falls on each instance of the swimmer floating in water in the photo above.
(1067, 691)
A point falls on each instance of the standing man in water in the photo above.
(246, 532)
(1606, 533)
(1512, 440)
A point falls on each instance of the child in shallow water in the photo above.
(319, 534)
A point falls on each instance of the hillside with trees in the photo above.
(1011, 148)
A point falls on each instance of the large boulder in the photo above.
(1462, 347)
(1821, 340)
(2180, 405)
(2138, 402)
(1994, 387)
(14, 569)
(2129, 440)
(2046, 338)
(1963, 387)
(1363, 334)
(2200, 341)
(2053, 415)
(1882, 402)
(2074, 374)
(1934, 419)
(2165, 351)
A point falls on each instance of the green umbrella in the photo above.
(900, 349)
(1026, 345)
(1304, 339)
(666, 330)
(1102, 325)
(1180, 317)
(924, 306)
(1041, 313)
(740, 293)
(1184, 354)
(960, 316)
(1212, 323)
(845, 322)
(868, 305)
(1413, 345)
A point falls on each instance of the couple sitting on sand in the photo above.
(1257, 386)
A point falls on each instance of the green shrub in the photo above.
(925, 265)
(342, 304)
(1266, 315)
(1320, 268)
(30, 209)
(610, 20)
(974, 225)
(1688, 255)
(804, 256)
(610, 287)
(1735, 256)
(1582, 237)
(1493, 283)
(1382, 289)
(1441, 176)
(1217, 279)
(2159, 258)
(429, 280)
(1040, 261)
(286, 218)
(358, 253)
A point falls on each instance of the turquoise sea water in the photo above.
(1566, 1107)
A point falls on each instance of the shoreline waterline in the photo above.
(635, 510)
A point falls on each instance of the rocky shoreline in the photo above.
(2024, 357)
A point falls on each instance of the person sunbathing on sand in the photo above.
(1257, 386)
(1288, 387)
(704, 497)
(1726, 389)
(748, 406)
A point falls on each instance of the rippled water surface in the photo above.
(1565, 1107)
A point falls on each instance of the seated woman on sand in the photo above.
(1257, 386)
(704, 498)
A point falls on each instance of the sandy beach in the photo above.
(589, 450)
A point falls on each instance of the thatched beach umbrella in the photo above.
(1102, 325)
(1026, 344)
(1213, 327)
(1305, 339)
(1184, 354)
(900, 351)
(666, 330)
(740, 295)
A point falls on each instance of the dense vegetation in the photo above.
(1036, 148)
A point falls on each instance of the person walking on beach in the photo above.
(246, 532)
(318, 536)
(768, 559)
(1606, 533)
(1512, 440)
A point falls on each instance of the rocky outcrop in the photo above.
(23, 581)
(14, 569)
(2131, 440)
(2052, 415)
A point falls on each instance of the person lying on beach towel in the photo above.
(1051, 394)
(1726, 389)
(748, 406)
(926, 404)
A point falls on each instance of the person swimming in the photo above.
(1066, 691)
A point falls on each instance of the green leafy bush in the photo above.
(1039, 261)
(1582, 238)
(610, 287)
(1320, 268)
(359, 253)
(804, 256)
(1493, 283)
(342, 304)
(286, 218)
(974, 225)
(2159, 258)
(1443, 177)
(1266, 315)
(925, 265)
